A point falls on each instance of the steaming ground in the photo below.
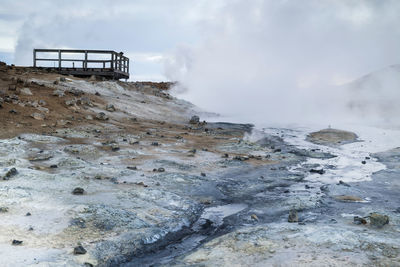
(103, 173)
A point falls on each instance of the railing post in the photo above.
(59, 59)
(86, 57)
(127, 61)
(112, 60)
(34, 58)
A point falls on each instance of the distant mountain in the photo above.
(375, 95)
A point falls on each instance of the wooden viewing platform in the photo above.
(83, 63)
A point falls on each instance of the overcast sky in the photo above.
(255, 55)
(146, 30)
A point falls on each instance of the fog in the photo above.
(291, 62)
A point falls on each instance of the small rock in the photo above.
(79, 222)
(293, 217)
(78, 191)
(62, 122)
(155, 144)
(203, 174)
(16, 242)
(28, 214)
(324, 188)
(101, 116)
(359, 220)
(89, 117)
(225, 156)
(134, 168)
(43, 109)
(25, 91)
(70, 102)
(141, 184)
(110, 107)
(321, 171)
(13, 111)
(194, 120)
(133, 141)
(42, 103)
(79, 250)
(115, 147)
(62, 79)
(241, 158)
(363, 162)
(75, 92)
(59, 93)
(38, 116)
(159, 170)
(85, 101)
(378, 220)
(12, 172)
(97, 93)
(3, 209)
(343, 183)
(254, 217)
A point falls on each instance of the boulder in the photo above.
(79, 250)
(194, 120)
(378, 220)
(110, 107)
(293, 217)
(78, 191)
(12, 172)
(102, 116)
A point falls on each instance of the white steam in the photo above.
(283, 61)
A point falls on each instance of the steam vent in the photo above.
(83, 63)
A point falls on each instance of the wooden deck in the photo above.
(83, 63)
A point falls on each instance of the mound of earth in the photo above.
(332, 137)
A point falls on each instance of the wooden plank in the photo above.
(75, 51)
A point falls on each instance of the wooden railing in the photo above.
(113, 61)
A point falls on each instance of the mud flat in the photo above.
(332, 137)
(101, 173)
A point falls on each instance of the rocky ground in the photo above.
(104, 173)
